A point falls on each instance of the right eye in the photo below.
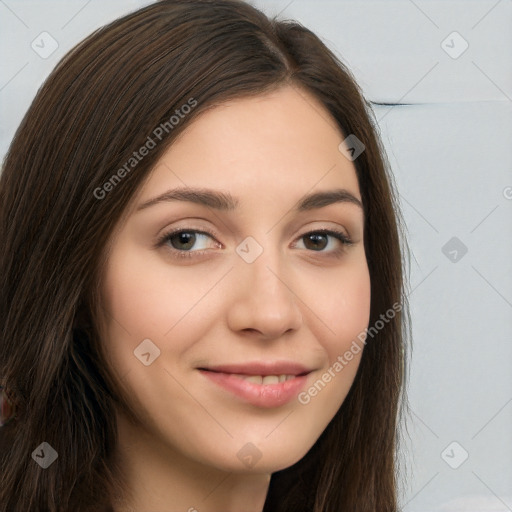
(181, 241)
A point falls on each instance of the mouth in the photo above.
(261, 384)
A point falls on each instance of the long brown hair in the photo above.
(98, 106)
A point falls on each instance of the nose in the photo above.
(264, 301)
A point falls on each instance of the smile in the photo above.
(261, 390)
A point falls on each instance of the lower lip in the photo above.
(264, 395)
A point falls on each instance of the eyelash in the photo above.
(339, 235)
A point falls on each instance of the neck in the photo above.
(161, 479)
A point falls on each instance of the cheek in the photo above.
(351, 312)
(145, 297)
(342, 302)
(343, 305)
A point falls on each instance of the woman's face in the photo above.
(249, 289)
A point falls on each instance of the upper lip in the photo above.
(262, 368)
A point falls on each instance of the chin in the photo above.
(267, 457)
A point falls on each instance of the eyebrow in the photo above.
(226, 202)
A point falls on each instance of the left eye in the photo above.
(316, 240)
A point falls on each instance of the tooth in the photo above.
(263, 380)
(255, 379)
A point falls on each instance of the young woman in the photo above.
(202, 301)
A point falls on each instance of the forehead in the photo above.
(280, 144)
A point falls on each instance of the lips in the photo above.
(263, 384)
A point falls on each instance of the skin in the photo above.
(294, 302)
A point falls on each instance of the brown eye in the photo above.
(187, 243)
(315, 241)
(319, 240)
(183, 240)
